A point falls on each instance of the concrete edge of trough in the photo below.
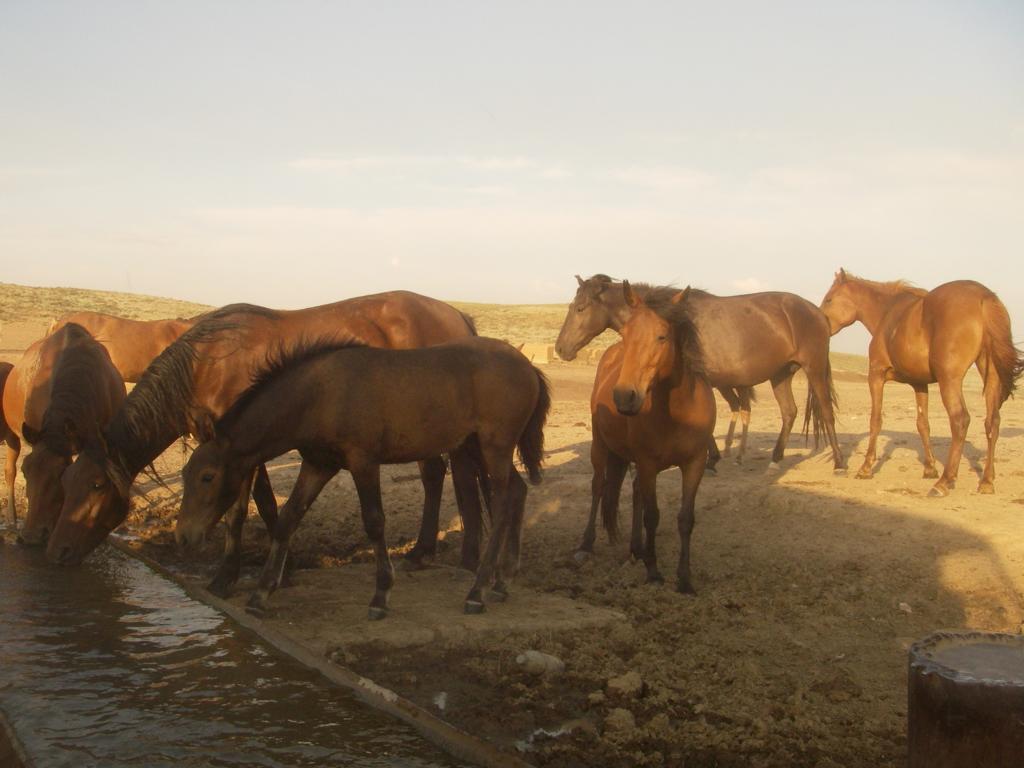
(12, 751)
(455, 742)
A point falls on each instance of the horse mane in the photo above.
(679, 316)
(279, 361)
(891, 286)
(76, 380)
(156, 411)
(648, 291)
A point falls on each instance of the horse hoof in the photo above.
(474, 607)
(581, 556)
(839, 471)
(256, 607)
(655, 579)
(986, 487)
(710, 471)
(218, 588)
(376, 613)
(499, 594)
(938, 492)
(862, 475)
(930, 473)
(774, 466)
(686, 589)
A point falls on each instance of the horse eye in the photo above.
(98, 484)
(206, 477)
(663, 338)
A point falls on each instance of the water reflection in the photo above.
(110, 664)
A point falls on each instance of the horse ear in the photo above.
(631, 297)
(74, 438)
(681, 296)
(200, 424)
(31, 435)
(841, 275)
(580, 280)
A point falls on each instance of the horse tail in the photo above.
(753, 394)
(1003, 355)
(813, 416)
(470, 323)
(531, 442)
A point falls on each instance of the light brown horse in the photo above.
(132, 344)
(356, 408)
(920, 337)
(10, 437)
(746, 340)
(62, 390)
(209, 367)
(651, 405)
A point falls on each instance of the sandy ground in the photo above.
(811, 586)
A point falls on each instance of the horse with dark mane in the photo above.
(651, 405)
(746, 340)
(61, 392)
(920, 337)
(132, 344)
(355, 408)
(209, 367)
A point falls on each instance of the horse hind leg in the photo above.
(498, 463)
(508, 566)
(467, 498)
(731, 397)
(782, 386)
(993, 402)
(924, 429)
(951, 389)
(745, 394)
(599, 456)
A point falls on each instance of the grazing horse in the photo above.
(132, 344)
(745, 340)
(209, 366)
(356, 408)
(61, 392)
(651, 405)
(920, 337)
(10, 437)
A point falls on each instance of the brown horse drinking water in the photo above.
(60, 393)
(651, 405)
(919, 337)
(746, 340)
(357, 408)
(209, 367)
(132, 344)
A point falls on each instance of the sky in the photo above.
(295, 153)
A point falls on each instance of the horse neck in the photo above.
(618, 312)
(132, 448)
(873, 302)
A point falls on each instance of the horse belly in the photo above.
(908, 348)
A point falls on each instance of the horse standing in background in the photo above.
(8, 435)
(745, 340)
(651, 405)
(920, 337)
(132, 344)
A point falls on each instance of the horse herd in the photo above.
(399, 377)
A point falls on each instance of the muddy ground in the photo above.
(811, 586)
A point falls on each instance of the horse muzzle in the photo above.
(627, 400)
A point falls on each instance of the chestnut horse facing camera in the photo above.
(745, 340)
(209, 366)
(651, 405)
(355, 408)
(132, 344)
(920, 337)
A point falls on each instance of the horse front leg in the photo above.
(10, 474)
(647, 477)
(599, 455)
(951, 389)
(231, 564)
(691, 473)
(266, 501)
(311, 481)
(432, 472)
(876, 382)
(924, 429)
